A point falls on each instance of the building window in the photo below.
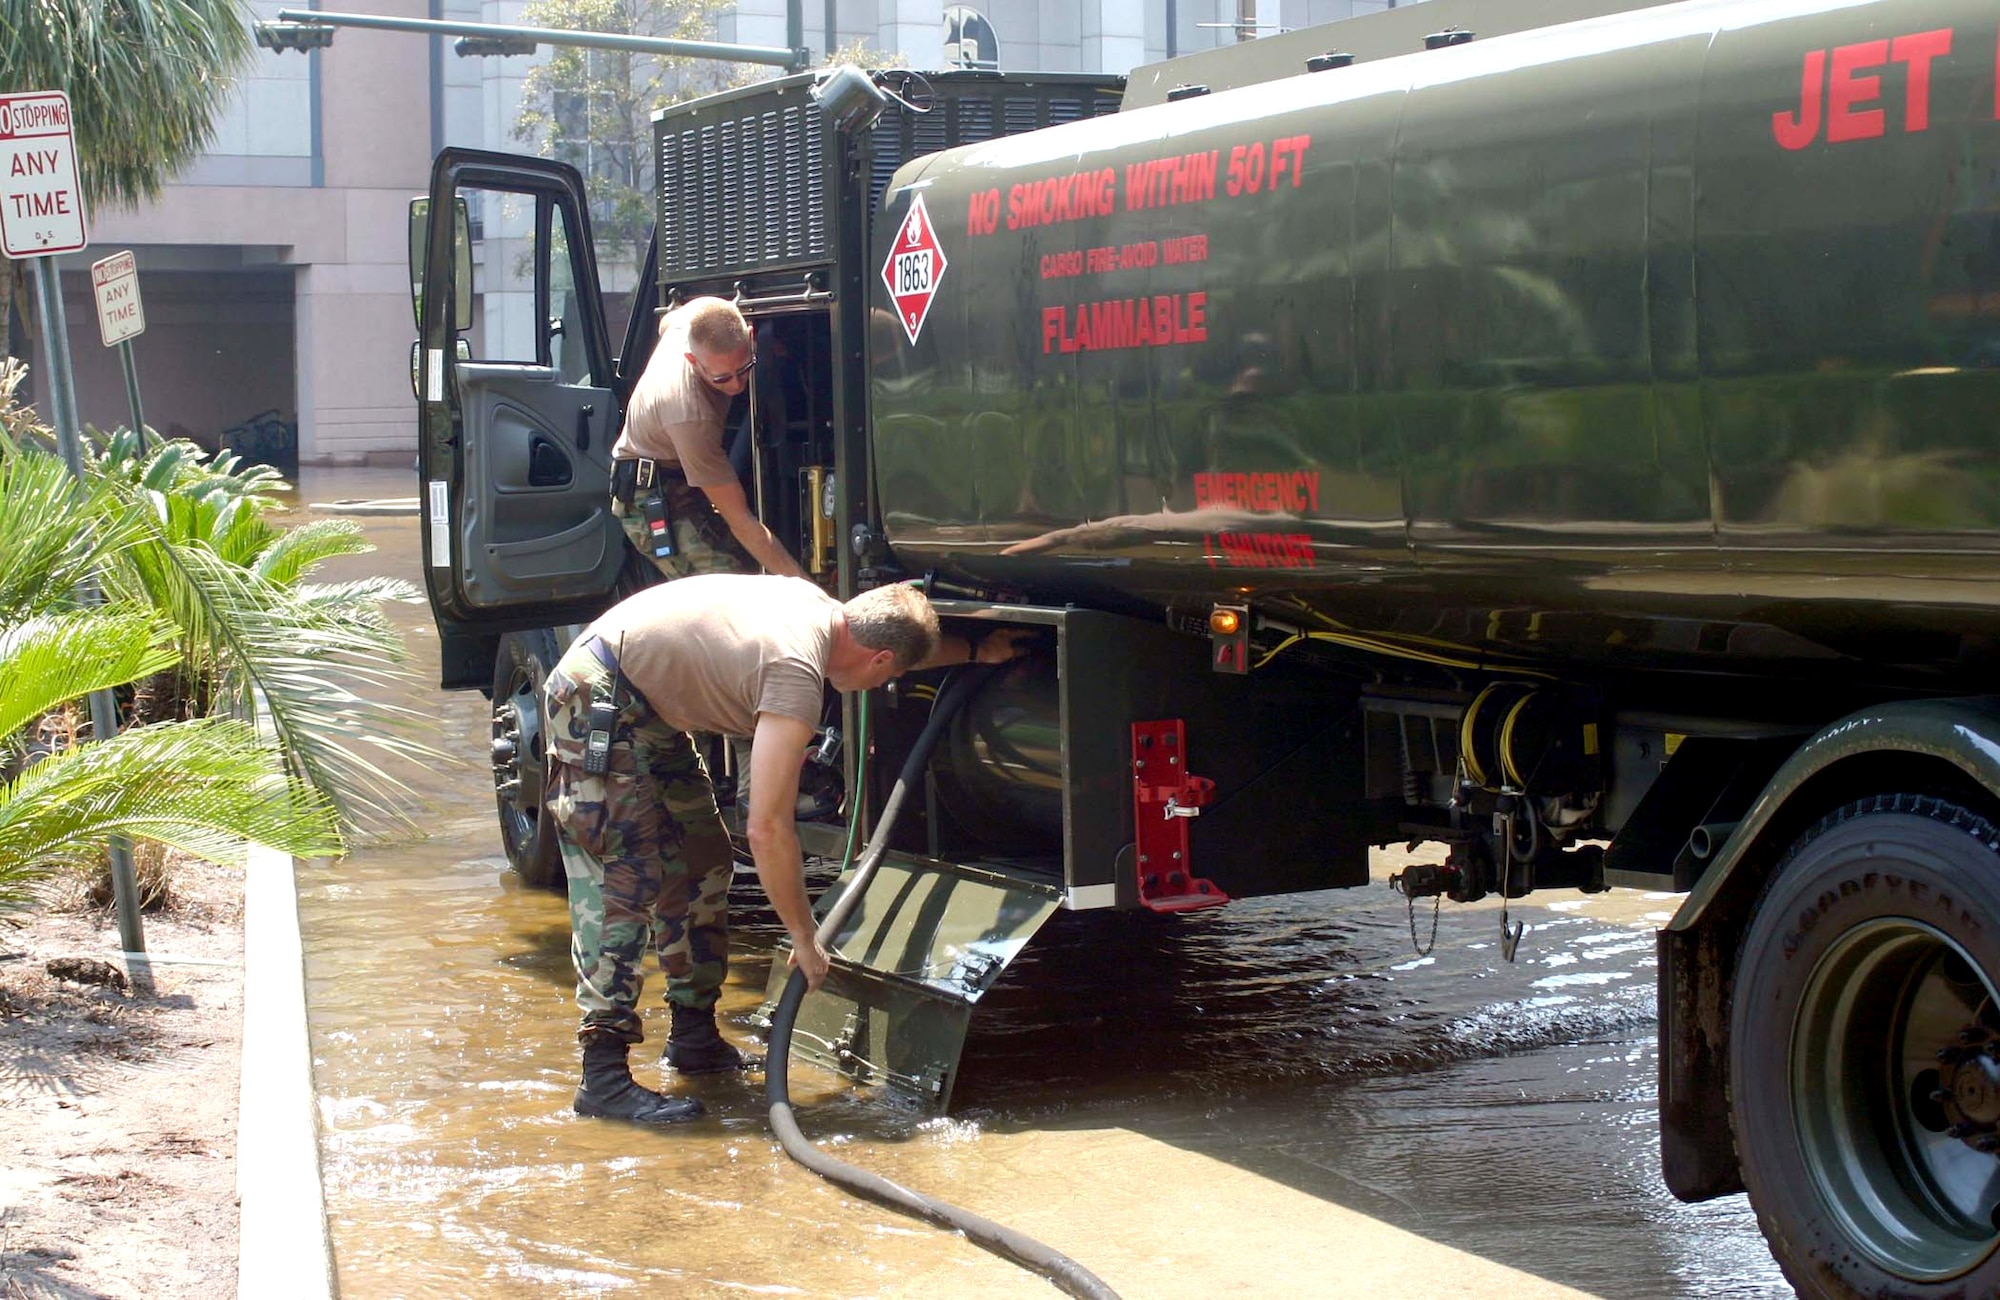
(969, 39)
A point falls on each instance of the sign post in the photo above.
(121, 317)
(41, 216)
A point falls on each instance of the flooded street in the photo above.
(1279, 1098)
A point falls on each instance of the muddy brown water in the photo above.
(1278, 1098)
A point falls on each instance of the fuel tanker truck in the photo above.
(1578, 446)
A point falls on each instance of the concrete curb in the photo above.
(283, 1247)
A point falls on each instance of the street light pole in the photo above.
(309, 29)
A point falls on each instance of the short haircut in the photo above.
(715, 326)
(897, 618)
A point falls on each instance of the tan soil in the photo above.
(118, 1108)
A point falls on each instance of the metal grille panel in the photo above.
(772, 208)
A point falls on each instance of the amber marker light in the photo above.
(1225, 622)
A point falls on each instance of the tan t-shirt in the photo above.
(713, 651)
(675, 416)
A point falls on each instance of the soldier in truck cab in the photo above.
(672, 485)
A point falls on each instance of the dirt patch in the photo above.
(118, 1107)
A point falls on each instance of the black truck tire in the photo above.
(1865, 1054)
(527, 832)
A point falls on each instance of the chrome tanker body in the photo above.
(1572, 446)
(1662, 340)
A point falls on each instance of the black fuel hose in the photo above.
(1070, 1276)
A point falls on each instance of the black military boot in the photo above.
(609, 1092)
(696, 1046)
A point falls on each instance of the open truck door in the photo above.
(517, 408)
(517, 411)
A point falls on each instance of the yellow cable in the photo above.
(1468, 753)
(1508, 767)
(1277, 650)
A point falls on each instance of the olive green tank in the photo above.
(1662, 339)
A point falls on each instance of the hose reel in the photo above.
(1529, 738)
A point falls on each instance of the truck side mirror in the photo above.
(461, 260)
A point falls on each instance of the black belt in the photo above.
(634, 475)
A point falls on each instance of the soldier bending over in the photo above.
(644, 849)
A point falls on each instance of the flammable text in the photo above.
(1156, 322)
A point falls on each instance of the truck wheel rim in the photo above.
(1895, 1078)
(520, 714)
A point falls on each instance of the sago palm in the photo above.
(207, 785)
(318, 663)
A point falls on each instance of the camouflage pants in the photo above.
(702, 540)
(645, 852)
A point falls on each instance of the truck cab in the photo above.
(761, 200)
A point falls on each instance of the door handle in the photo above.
(583, 414)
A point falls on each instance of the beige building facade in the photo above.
(274, 270)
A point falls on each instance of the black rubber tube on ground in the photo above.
(1003, 1241)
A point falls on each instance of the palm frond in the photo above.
(288, 664)
(358, 601)
(48, 661)
(302, 549)
(206, 786)
(54, 531)
(146, 80)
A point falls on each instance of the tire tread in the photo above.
(1930, 807)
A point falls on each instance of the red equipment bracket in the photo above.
(1164, 797)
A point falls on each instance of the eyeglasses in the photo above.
(728, 377)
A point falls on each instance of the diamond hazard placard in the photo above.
(916, 264)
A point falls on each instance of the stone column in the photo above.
(913, 28)
(353, 309)
(1114, 35)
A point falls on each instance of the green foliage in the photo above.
(48, 660)
(145, 80)
(205, 784)
(268, 735)
(593, 108)
(254, 639)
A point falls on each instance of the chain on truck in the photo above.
(1571, 444)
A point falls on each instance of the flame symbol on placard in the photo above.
(915, 230)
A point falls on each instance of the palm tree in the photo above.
(254, 639)
(145, 80)
(207, 785)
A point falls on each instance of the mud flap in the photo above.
(927, 941)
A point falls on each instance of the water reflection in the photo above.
(1279, 1096)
